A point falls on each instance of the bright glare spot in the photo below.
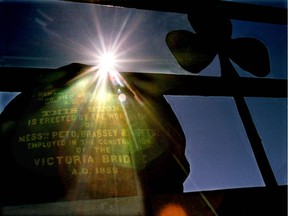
(107, 65)
(107, 62)
(105, 74)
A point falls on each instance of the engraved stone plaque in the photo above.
(91, 137)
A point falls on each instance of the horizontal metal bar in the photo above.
(256, 13)
(217, 86)
(22, 79)
(235, 10)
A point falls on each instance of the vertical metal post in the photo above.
(228, 70)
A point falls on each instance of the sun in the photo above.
(107, 62)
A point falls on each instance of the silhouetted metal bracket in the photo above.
(22, 79)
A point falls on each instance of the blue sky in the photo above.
(55, 34)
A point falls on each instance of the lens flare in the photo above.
(172, 210)
(122, 97)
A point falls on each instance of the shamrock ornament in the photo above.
(195, 51)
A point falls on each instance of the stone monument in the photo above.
(91, 136)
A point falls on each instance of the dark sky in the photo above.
(53, 34)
